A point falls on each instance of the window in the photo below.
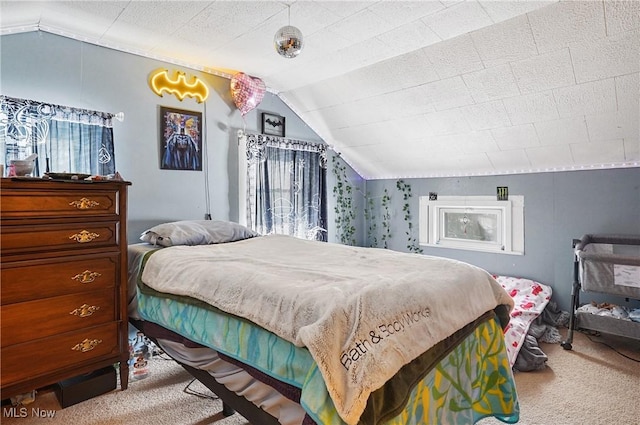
(477, 223)
(285, 187)
(65, 139)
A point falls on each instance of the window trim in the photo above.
(510, 216)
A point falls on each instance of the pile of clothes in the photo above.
(543, 329)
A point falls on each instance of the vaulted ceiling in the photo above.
(406, 88)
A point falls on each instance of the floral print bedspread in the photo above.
(530, 298)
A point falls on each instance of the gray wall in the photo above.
(50, 68)
(558, 207)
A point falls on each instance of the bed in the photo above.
(291, 331)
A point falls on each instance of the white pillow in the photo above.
(196, 232)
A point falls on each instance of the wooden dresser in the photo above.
(64, 281)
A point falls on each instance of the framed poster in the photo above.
(180, 139)
(272, 124)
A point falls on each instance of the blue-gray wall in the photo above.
(558, 207)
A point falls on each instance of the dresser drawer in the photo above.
(60, 203)
(77, 236)
(39, 357)
(31, 320)
(33, 279)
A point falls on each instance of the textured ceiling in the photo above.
(406, 88)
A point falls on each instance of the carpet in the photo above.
(592, 384)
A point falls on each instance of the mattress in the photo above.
(433, 396)
(232, 376)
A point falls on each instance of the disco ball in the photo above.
(288, 41)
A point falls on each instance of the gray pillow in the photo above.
(196, 232)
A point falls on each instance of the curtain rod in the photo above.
(241, 134)
(118, 116)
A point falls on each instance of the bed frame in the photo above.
(231, 402)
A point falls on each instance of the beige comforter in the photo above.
(362, 313)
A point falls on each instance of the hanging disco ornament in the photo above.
(288, 40)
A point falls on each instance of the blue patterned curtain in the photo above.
(70, 139)
(286, 187)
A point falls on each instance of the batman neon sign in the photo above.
(177, 84)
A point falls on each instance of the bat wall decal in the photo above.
(273, 123)
(177, 84)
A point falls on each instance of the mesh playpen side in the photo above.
(606, 264)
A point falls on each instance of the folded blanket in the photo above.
(362, 313)
(530, 299)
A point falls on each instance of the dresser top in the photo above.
(50, 184)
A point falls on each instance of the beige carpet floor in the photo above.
(590, 385)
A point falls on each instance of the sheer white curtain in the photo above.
(66, 139)
(285, 190)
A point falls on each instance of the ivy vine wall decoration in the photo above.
(412, 242)
(345, 209)
(372, 225)
(345, 212)
(386, 218)
(372, 220)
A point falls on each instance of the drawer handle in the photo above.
(84, 236)
(85, 310)
(86, 345)
(84, 204)
(86, 276)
